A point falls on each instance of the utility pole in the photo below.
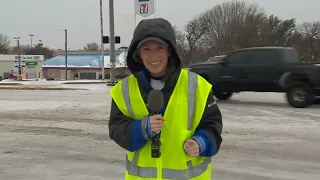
(31, 35)
(66, 52)
(112, 43)
(102, 45)
(19, 58)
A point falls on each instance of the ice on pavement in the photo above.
(64, 135)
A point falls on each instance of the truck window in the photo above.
(254, 57)
(239, 57)
(262, 57)
(291, 55)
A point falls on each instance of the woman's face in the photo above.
(154, 56)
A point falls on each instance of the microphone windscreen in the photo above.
(155, 101)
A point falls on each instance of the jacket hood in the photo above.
(157, 27)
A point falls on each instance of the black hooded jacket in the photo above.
(129, 133)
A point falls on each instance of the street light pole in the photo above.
(19, 57)
(66, 52)
(112, 43)
(102, 45)
(31, 35)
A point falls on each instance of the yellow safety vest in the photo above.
(182, 116)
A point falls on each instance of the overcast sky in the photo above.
(46, 18)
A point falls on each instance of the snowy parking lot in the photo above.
(63, 135)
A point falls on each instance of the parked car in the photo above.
(263, 69)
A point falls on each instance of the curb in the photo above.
(10, 84)
(38, 88)
(84, 82)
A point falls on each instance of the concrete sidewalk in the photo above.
(40, 85)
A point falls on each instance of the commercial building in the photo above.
(82, 65)
(32, 66)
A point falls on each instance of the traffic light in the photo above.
(105, 39)
(117, 39)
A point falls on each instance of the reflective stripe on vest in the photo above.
(151, 172)
(126, 95)
(192, 88)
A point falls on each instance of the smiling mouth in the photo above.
(154, 63)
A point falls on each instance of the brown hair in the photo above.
(170, 68)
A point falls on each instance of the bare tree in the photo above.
(92, 46)
(231, 25)
(309, 44)
(238, 24)
(277, 32)
(188, 41)
(195, 31)
(181, 43)
(40, 50)
(23, 49)
(4, 44)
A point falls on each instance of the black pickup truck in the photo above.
(263, 69)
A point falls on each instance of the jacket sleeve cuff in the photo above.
(201, 143)
(148, 129)
(207, 146)
(144, 127)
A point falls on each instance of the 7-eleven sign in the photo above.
(144, 8)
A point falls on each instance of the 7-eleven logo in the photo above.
(143, 8)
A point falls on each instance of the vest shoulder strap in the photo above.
(120, 95)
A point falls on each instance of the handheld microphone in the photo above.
(155, 103)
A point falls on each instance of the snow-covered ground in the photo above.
(64, 135)
(44, 82)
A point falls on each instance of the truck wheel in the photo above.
(300, 95)
(223, 95)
